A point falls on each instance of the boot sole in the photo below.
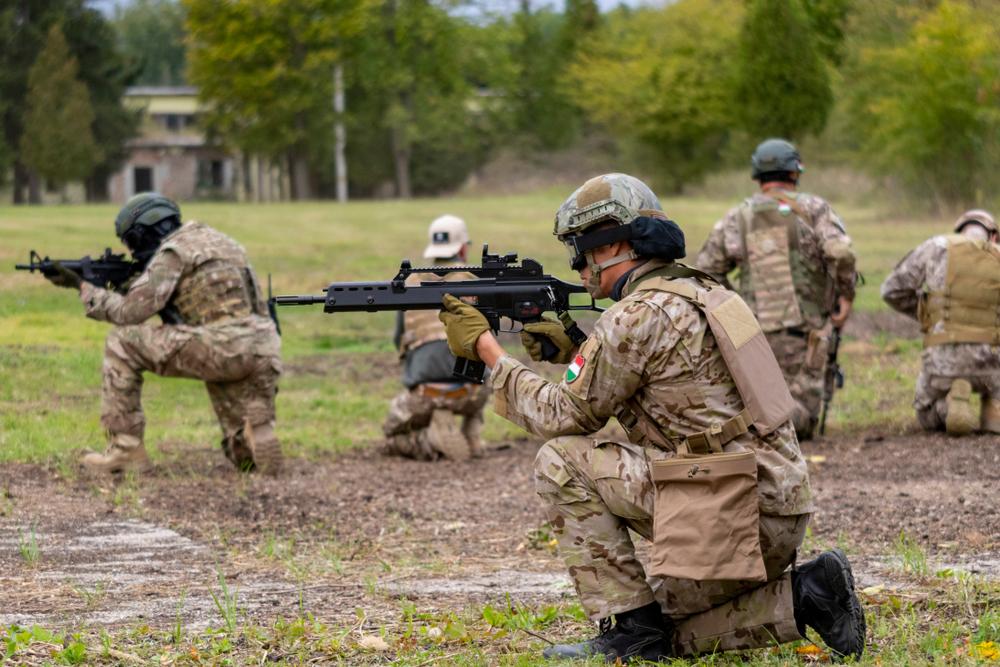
(959, 419)
(446, 436)
(267, 458)
(841, 580)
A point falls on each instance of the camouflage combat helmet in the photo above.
(775, 155)
(147, 209)
(980, 217)
(618, 198)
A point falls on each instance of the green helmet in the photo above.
(775, 155)
(147, 208)
(618, 198)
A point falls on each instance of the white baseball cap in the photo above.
(445, 237)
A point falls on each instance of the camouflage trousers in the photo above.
(408, 426)
(805, 381)
(240, 371)
(932, 407)
(596, 491)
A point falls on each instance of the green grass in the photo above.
(50, 358)
(947, 621)
(339, 377)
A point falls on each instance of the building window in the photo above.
(189, 120)
(173, 122)
(143, 179)
(210, 173)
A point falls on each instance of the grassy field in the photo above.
(50, 359)
(51, 354)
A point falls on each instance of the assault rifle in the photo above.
(503, 289)
(112, 272)
(108, 271)
(833, 378)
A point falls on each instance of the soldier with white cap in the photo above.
(951, 285)
(422, 420)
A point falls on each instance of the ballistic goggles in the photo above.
(578, 242)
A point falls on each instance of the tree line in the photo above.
(907, 90)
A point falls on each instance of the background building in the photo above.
(171, 154)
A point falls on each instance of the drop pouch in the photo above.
(817, 347)
(705, 521)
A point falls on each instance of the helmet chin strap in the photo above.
(594, 283)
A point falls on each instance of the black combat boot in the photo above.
(637, 634)
(824, 599)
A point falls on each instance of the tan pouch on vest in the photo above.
(750, 359)
(816, 348)
(705, 521)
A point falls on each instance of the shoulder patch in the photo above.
(581, 371)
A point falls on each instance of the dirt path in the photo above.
(363, 531)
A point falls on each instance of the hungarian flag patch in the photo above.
(573, 372)
(784, 208)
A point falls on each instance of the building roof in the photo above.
(156, 91)
(167, 141)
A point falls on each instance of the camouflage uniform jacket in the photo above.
(156, 287)
(925, 269)
(823, 241)
(656, 347)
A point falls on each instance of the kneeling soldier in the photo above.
(224, 335)
(684, 367)
(951, 284)
(421, 422)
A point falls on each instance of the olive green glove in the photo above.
(556, 332)
(464, 325)
(64, 277)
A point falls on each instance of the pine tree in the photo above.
(782, 84)
(58, 142)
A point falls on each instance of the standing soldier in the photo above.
(951, 285)
(656, 363)
(796, 271)
(421, 422)
(202, 279)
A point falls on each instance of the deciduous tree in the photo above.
(662, 78)
(928, 110)
(266, 67)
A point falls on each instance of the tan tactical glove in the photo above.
(556, 332)
(64, 277)
(464, 325)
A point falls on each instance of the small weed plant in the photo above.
(177, 631)
(909, 556)
(227, 605)
(94, 597)
(30, 545)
